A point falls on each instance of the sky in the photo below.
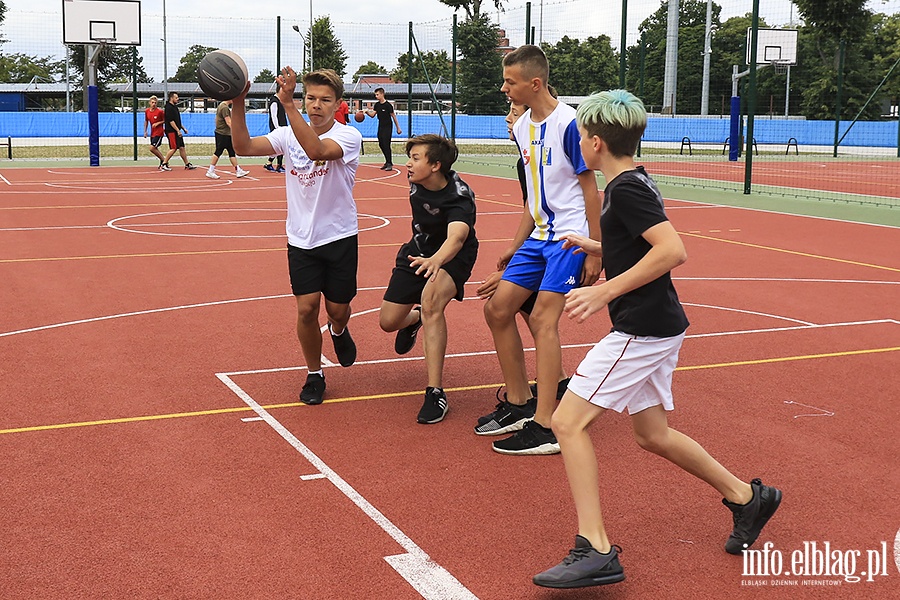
(35, 28)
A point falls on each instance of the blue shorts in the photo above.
(544, 266)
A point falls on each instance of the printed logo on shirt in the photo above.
(526, 156)
(429, 210)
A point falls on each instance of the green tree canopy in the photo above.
(472, 7)
(187, 67)
(264, 76)
(481, 69)
(114, 65)
(435, 62)
(23, 68)
(581, 68)
(328, 53)
(370, 68)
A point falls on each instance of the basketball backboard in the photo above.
(774, 46)
(116, 22)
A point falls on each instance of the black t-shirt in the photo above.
(172, 114)
(432, 212)
(632, 204)
(383, 112)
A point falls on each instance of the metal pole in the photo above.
(622, 44)
(751, 99)
(837, 107)
(453, 87)
(278, 44)
(670, 77)
(134, 102)
(165, 58)
(311, 25)
(68, 92)
(409, 131)
(707, 50)
(541, 23)
(787, 91)
(529, 38)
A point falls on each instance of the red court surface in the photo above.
(154, 446)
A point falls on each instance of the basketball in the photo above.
(360, 116)
(222, 75)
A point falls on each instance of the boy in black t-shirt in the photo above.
(384, 112)
(632, 367)
(435, 264)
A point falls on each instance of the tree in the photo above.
(370, 68)
(328, 53)
(472, 7)
(187, 67)
(481, 69)
(23, 68)
(264, 76)
(435, 62)
(2, 17)
(581, 68)
(114, 64)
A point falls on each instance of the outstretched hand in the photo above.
(288, 83)
(582, 244)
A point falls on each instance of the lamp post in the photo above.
(165, 58)
(707, 51)
(302, 37)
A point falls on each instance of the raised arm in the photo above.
(240, 135)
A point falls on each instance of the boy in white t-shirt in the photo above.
(562, 199)
(321, 158)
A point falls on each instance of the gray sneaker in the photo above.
(750, 518)
(583, 567)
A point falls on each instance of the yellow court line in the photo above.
(219, 411)
(186, 253)
(144, 204)
(794, 252)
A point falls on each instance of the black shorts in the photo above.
(406, 287)
(156, 140)
(175, 141)
(223, 143)
(330, 269)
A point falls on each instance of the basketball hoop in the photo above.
(780, 67)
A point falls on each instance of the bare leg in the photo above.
(308, 330)
(500, 314)
(544, 324)
(570, 425)
(435, 297)
(652, 432)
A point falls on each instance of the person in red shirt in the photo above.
(155, 118)
(342, 114)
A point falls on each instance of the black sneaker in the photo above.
(190, 167)
(583, 567)
(506, 418)
(313, 391)
(561, 388)
(750, 518)
(344, 347)
(531, 439)
(435, 407)
(406, 337)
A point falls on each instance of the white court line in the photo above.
(746, 312)
(311, 477)
(5, 179)
(428, 578)
(250, 419)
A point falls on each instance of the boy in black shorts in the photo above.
(632, 367)
(435, 264)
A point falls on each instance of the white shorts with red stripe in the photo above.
(628, 371)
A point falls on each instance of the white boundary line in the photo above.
(5, 179)
(427, 577)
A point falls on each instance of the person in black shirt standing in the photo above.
(434, 265)
(384, 111)
(277, 118)
(174, 131)
(632, 367)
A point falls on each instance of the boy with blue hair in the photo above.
(631, 368)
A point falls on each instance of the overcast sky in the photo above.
(35, 28)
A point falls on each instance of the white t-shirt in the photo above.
(320, 201)
(552, 157)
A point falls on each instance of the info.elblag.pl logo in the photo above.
(818, 564)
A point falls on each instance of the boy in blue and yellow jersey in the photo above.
(562, 199)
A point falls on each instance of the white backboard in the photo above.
(774, 45)
(116, 22)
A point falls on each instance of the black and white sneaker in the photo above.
(506, 418)
(190, 167)
(406, 337)
(435, 407)
(531, 439)
(561, 388)
(313, 391)
(750, 518)
(583, 567)
(344, 346)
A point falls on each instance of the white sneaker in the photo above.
(213, 175)
(241, 173)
